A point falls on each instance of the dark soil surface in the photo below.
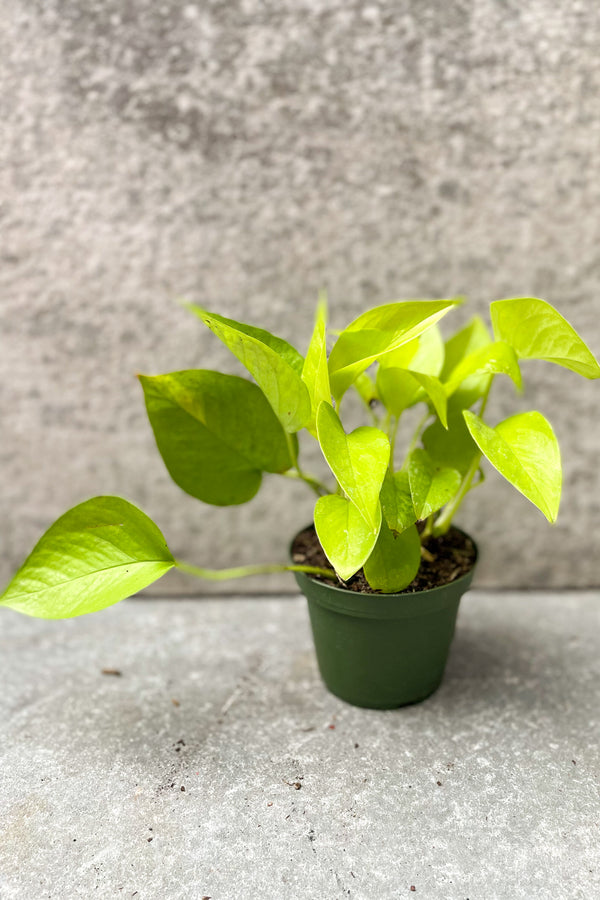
(444, 559)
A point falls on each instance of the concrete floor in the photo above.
(487, 790)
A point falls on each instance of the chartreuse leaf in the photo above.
(358, 460)
(429, 358)
(216, 433)
(474, 336)
(96, 554)
(273, 363)
(400, 388)
(524, 449)
(423, 354)
(454, 448)
(538, 331)
(377, 332)
(431, 485)
(397, 389)
(493, 359)
(344, 535)
(396, 501)
(315, 373)
(394, 561)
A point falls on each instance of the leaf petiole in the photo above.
(244, 571)
(317, 486)
(445, 520)
(417, 434)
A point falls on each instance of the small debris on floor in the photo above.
(294, 784)
(175, 702)
(182, 788)
(439, 783)
(412, 887)
(116, 672)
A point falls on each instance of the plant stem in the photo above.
(484, 399)
(428, 530)
(243, 571)
(445, 520)
(317, 486)
(296, 471)
(292, 448)
(393, 431)
(417, 434)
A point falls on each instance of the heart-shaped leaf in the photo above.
(394, 561)
(431, 485)
(344, 535)
(396, 501)
(216, 433)
(377, 332)
(315, 373)
(538, 331)
(96, 554)
(358, 460)
(273, 363)
(524, 449)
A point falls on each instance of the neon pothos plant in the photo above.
(218, 434)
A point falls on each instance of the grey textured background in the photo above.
(242, 154)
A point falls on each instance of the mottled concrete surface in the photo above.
(243, 154)
(487, 791)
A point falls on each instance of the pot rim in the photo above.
(395, 605)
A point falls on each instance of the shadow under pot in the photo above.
(382, 651)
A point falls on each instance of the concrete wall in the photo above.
(244, 153)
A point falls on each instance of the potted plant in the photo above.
(383, 567)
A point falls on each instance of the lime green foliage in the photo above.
(273, 363)
(536, 330)
(315, 372)
(345, 536)
(453, 447)
(399, 389)
(358, 460)
(378, 332)
(524, 449)
(93, 556)
(219, 434)
(474, 336)
(216, 433)
(493, 359)
(431, 485)
(397, 502)
(394, 560)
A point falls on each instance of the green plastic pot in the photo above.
(382, 651)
